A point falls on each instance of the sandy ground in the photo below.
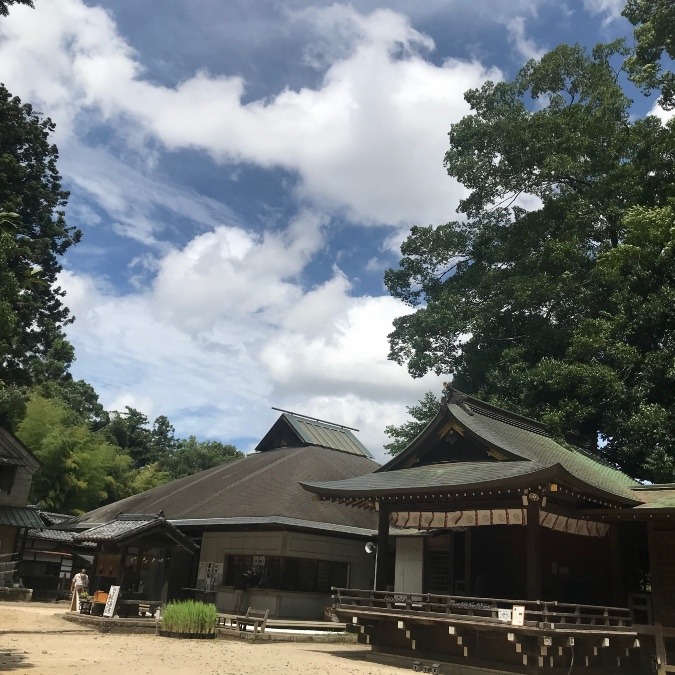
(34, 637)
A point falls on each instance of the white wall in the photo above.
(288, 604)
(409, 564)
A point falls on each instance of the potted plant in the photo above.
(189, 619)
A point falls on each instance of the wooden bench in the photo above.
(256, 618)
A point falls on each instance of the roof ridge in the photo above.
(470, 404)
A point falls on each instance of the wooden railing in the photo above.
(538, 613)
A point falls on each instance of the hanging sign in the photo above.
(504, 615)
(113, 594)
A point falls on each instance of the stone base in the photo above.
(11, 594)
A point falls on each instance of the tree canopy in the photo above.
(33, 234)
(564, 311)
(654, 22)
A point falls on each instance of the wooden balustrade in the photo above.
(538, 613)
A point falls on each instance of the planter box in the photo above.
(187, 636)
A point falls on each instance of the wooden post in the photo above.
(382, 549)
(654, 577)
(615, 566)
(533, 548)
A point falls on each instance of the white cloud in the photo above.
(370, 139)
(663, 115)
(225, 331)
(524, 45)
(610, 8)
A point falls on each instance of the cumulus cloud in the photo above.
(369, 139)
(226, 331)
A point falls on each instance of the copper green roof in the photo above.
(522, 451)
(294, 429)
(537, 447)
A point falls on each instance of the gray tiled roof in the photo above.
(20, 516)
(114, 530)
(258, 485)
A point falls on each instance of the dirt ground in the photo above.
(34, 637)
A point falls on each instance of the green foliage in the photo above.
(79, 397)
(148, 477)
(563, 312)
(80, 469)
(192, 456)
(650, 66)
(129, 431)
(422, 413)
(32, 344)
(189, 616)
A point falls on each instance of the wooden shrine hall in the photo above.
(499, 548)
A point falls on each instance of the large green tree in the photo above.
(33, 347)
(650, 65)
(534, 309)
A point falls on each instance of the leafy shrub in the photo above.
(189, 616)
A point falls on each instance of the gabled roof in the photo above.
(259, 485)
(522, 446)
(128, 528)
(13, 451)
(293, 429)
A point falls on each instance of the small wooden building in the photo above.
(252, 514)
(17, 466)
(500, 548)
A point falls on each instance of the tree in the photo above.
(80, 470)
(33, 347)
(5, 4)
(129, 431)
(422, 413)
(519, 306)
(192, 456)
(654, 22)
(79, 397)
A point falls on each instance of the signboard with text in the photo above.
(113, 594)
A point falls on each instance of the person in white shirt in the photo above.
(80, 582)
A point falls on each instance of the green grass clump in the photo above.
(189, 616)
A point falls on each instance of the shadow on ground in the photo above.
(13, 659)
(350, 655)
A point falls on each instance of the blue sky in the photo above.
(244, 173)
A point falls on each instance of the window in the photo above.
(287, 574)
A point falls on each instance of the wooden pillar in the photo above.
(616, 568)
(382, 565)
(533, 549)
(654, 577)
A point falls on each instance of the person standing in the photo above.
(80, 582)
(79, 585)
